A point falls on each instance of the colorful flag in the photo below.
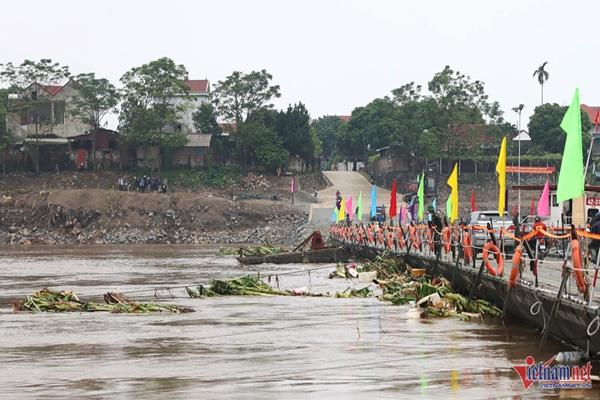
(473, 207)
(401, 215)
(293, 186)
(349, 208)
(453, 183)
(359, 210)
(411, 209)
(543, 208)
(570, 178)
(334, 214)
(421, 195)
(373, 202)
(393, 212)
(342, 213)
(501, 171)
(434, 203)
(449, 206)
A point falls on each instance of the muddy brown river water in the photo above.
(239, 347)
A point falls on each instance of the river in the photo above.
(239, 347)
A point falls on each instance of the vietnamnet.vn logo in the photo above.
(554, 376)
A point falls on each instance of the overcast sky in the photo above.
(331, 55)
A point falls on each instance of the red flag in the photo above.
(473, 207)
(532, 207)
(597, 120)
(393, 212)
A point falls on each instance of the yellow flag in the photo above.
(501, 171)
(453, 183)
(342, 213)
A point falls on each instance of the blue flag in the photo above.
(373, 202)
(434, 203)
(334, 214)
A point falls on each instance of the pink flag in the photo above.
(293, 185)
(403, 215)
(543, 208)
(349, 208)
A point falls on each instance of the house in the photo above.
(594, 113)
(98, 148)
(344, 118)
(195, 152)
(200, 94)
(41, 110)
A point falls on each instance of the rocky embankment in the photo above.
(98, 216)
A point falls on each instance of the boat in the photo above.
(324, 255)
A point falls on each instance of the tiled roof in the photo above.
(197, 85)
(198, 140)
(592, 111)
(344, 118)
(53, 89)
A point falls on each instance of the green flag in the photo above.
(571, 179)
(359, 211)
(449, 207)
(420, 195)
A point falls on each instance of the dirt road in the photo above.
(349, 184)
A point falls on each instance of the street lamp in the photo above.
(522, 136)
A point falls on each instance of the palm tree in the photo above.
(542, 76)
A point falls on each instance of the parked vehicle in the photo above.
(483, 218)
(380, 214)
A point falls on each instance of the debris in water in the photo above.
(47, 300)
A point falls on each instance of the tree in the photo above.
(263, 145)
(294, 129)
(239, 95)
(153, 95)
(205, 121)
(542, 77)
(326, 128)
(36, 108)
(95, 98)
(5, 136)
(545, 131)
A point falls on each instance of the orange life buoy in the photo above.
(516, 266)
(577, 266)
(489, 246)
(467, 247)
(446, 239)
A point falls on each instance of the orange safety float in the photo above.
(490, 246)
(414, 238)
(577, 266)
(400, 239)
(429, 237)
(446, 239)
(467, 247)
(390, 240)
(516, 266)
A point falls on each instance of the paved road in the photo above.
(349, 184)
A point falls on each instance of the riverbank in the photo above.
(61, 210)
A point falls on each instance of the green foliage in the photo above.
(5, 135)
(240, 94)
(326, 129)
(96, 97)
(205, 119)
(263, 145)
(294, 130)
(153, 95)
(546, 133)
(451, 120)
(44, 72)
